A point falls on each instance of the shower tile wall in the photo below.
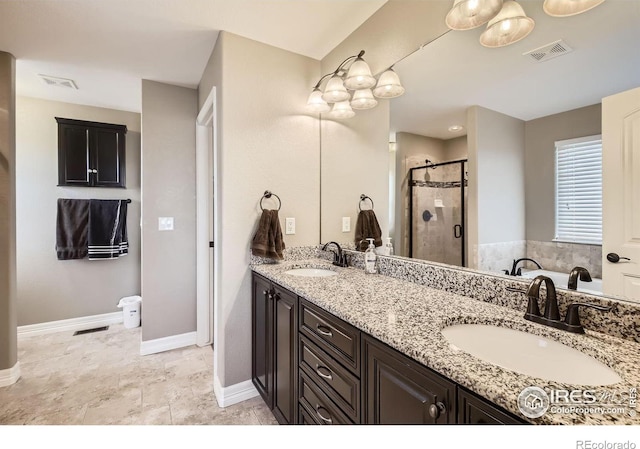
(563, 257)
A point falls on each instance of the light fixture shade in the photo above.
(468, 14)
(359, 76)
(388, 85)
(363, 99)
(342, 109)
(335, 90)
(566, 8)
(509, 26)
(315, 103)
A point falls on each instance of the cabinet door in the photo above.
(475, 410)
(262, 338)
(107, 157)
(285, 355)
(73, 156)
(399, 390)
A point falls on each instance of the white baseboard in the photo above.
(168, 343)
(233, 394)
(10, 376)
(72, 324)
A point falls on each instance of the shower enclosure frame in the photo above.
(462, 202)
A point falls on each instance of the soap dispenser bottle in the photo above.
(388, 247)
(370, 259)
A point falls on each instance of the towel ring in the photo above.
(268, 194)
(364, 197)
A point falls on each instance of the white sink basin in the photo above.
(311, 272)
(529, 354)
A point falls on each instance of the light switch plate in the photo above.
(165, 223)
(346, 224)
(290, 225)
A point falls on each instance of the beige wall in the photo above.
(168, 190)
(8, 320)
(540, 137)
(50, 289)
(265, 142)
(496, 179)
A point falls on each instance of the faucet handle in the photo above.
(572, 319)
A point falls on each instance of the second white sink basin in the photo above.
(311, 272)
(529, 354)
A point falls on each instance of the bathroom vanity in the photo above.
(353, 348)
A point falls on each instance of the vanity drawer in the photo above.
(334, 379)
(317, 404)
(338, 338)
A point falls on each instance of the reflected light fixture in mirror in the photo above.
(509, 26)
(566, 8)
(468, 14)
(359, 80)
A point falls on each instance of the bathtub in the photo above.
(561, 280)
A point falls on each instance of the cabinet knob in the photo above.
(437, 409)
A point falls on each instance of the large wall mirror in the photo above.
(472, 148)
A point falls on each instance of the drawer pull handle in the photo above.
(327, 420)
(321, 374)
(324, 330)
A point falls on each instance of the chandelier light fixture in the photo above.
(507, 21)
(352, 86)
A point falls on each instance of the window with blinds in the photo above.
(579, 190)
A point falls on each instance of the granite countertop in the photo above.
(409, 317)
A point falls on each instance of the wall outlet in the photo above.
(290, 226)
(346, 224)
(165, 223)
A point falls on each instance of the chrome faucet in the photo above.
(551, 317)
(518, 272)
(339, 258)
(580, 272)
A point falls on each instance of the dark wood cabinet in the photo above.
(398, 390)
(274, 336)
(473, 409)
(91, 154)
(311, 367)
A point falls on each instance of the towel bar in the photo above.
(268, 194)
(364, 197)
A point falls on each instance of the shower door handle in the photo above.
(457, 231)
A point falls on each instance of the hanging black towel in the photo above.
(267, 241)
(72, 223)
(367, 226)
(107, 229)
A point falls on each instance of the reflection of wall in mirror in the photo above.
(413, 150)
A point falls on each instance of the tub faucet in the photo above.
(578, 272)
(339, 258)
(518, 272)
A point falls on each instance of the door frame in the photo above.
(206, 165)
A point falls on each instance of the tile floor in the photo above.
(101, 378)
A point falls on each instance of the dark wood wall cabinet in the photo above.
(311, 367)
(90, 154)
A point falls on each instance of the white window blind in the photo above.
(579, 190)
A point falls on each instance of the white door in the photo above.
(621, 194)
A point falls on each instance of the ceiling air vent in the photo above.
(549, 51)
(60, 82)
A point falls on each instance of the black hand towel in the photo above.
(72, 223)
(268, 241)
(367, 227)
(107, 229)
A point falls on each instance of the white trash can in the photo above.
(131, 306)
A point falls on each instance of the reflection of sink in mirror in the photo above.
(529, 354)
(562, 279)
(311, 272)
